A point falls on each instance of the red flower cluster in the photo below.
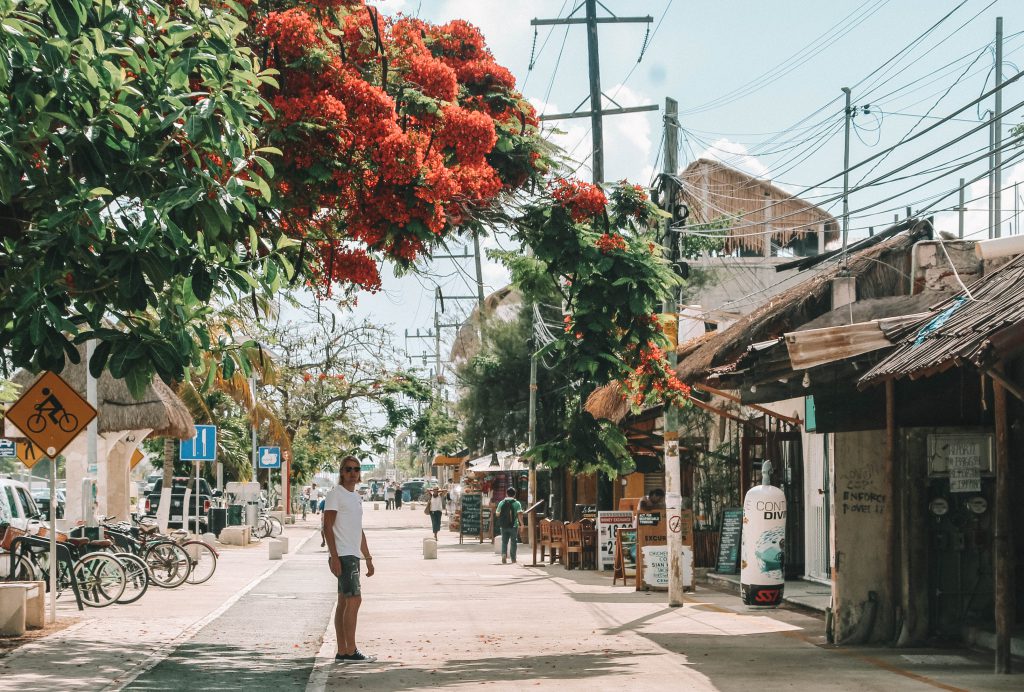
(391, 130)
(609, 242)
(582, 200)
(651, 380)
(629, 200)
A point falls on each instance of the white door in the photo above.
(817, 453)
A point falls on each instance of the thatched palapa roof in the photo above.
(159, 409)
(880, 270)
(713, 190)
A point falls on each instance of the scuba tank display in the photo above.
(762, 554)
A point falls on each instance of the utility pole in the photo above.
(846, 173)
(991, 174)
(593, 58)
(997, 135)
(673, 480)
(531, 442)
(960, 210)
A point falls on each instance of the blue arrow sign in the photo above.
(269, 457)
(202, 447)
(7, 448)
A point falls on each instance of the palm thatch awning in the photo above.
(880, 270)
(159, 409)
(760, 210)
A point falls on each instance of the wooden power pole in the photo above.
(596, 111)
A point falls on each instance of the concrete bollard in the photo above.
(275, 550)
(235, 535)
(208, 538)
(429, 549)
(375, 506)
(12, 610)
(497, 545)
(283, 540)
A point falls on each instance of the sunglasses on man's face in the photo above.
(353, 469)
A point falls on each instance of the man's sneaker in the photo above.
(358, 656)
(504, 559)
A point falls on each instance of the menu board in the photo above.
(654, 567)
(729, 536)
(586, 512)
(485, 523)
(470, 515)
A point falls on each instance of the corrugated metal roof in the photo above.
(980, 326)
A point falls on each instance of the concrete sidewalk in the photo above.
(107, 647)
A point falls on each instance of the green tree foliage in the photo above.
(131, 181)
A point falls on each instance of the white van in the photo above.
(17, 507)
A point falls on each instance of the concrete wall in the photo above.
(860, 506)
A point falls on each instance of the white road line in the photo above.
(325, 657)
(164, 652)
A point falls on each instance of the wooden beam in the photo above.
(1003, 549)
(997, 374)
(724, 414)
(736, 399)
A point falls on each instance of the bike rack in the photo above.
(23, 545)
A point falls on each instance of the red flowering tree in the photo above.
(395, 133)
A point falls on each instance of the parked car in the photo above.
(363, 489)
(178, 487)
(414, 490)
(151, 480)
(42, 500)
(17, 507)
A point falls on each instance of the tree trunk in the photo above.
(168, 460)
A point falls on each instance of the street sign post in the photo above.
(202, 447)
(270, 457)
(51, 414)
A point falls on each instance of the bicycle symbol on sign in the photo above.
(55, 411)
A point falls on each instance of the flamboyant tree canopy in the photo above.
(396, 133)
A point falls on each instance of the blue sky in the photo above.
(744, 74)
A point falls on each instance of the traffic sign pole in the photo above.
(53, 540)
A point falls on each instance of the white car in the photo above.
(363, 489)
(17, 507)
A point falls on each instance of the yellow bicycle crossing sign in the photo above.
(51, 414)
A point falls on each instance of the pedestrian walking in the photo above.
(389, 496)
(346, 543)
(508, 511)
(433, 509)
(312, 499)
(398, 496)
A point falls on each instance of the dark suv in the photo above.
(178, 487)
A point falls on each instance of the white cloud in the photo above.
(735, 155)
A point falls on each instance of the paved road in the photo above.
(458, 622)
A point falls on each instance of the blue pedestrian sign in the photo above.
(270, 457)
(7, 448)
(202, 447)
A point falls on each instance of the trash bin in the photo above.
(217, 520)
(252, 514)
(235, 515)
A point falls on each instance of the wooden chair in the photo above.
(558, 541)
(573, 544)
(589, 531)
(544, 526)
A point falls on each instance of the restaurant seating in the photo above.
(544, 527)
(573, 544)
(558, 541)
(588, 530)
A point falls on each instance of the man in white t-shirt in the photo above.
(346, 543)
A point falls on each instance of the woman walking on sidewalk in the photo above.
(433, 509)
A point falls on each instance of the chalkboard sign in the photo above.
(470, 515)
(586, 512)
(729, 536)
(485, 524)
(625, 555)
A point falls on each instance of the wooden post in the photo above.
(892, 552)
(1003, 553)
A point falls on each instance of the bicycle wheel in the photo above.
(262, 529)
(41, 569)
(168, 564)
(204, 561)
(276, 527)
(21, 569)
(137, 577)
(101, 579)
